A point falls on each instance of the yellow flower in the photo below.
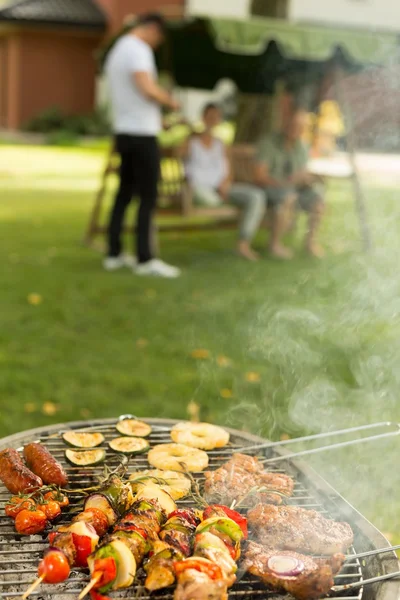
(223, 361)
(285, 437)
(253, 377)
(35, 299)
(226, 393)
(200, 353)
(49, 409)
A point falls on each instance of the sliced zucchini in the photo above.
(128, 445)
(83, 440)
(101, 502)
(84, 458)
(133, 428)
(126, 565)
(151, 491)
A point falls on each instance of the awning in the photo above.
(301, 42)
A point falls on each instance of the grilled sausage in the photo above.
(39, 459)
(16, 476)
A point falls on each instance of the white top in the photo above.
(206, 167)
(132, 112)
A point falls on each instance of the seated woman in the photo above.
(209, 174)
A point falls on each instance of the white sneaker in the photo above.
(157, 268)
(113, 263)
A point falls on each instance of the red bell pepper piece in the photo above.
(209, 568)
(107, 568)
(83, 547)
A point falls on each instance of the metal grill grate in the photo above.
(19, 556)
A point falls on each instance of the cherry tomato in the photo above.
(16, 504)
(51, 509)
(211, 569)
(107, 568)
(28, 522)
(96, 518)
(83, 547)
(58, 497)
(54, 567)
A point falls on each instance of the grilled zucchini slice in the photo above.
(85, 458)
(133, 428)
(83, 440)
(128, 445)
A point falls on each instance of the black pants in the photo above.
(139, 174)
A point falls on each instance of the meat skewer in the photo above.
(211, 570)
(302, 576)
(295, 528)
(243, 477)
(176, 537)
(114, 563)
(71, 544)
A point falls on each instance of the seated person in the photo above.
(281, 169)
(208, 172)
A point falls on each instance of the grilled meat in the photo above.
(15, 475)
(44, 465)
(244, 476)
(311, 578)
(195, 585)
(295, 528)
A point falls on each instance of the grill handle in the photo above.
(358, 584)
(373, 552)
(387, 425)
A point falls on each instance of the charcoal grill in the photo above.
(19, 555)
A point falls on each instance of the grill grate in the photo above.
(19, 556)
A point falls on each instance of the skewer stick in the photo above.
(90, 586)
(33, 587)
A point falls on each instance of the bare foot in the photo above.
(315, 250)
(246, 252)
(279, 251)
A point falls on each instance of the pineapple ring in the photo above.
(177, 457)
(200, 435)
(176, 484)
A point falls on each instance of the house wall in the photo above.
(379, 14)
(49, 69)
(118, 10)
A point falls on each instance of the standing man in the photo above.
(281, 169)
(136, 100)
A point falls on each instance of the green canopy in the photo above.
(301, 42)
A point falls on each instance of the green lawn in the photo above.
(287, 348)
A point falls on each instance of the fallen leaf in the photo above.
(29, 407)
(226, 393)
(49, 408)
(193, 410)
(200, 353)
(85, 413)
(35, 299)
(142, 343)
(285, 437)
(223, 361)
(253, 377)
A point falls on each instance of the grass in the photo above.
(273, 348)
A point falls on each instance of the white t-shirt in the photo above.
(206, 167)
(132, 112)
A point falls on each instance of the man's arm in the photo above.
(262, 176)
(150, 88)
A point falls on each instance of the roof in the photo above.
(84, 14)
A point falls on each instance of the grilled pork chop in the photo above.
(313, 577)
(295, 528)
(244, 477)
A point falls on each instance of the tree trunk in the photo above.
(259, 115)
